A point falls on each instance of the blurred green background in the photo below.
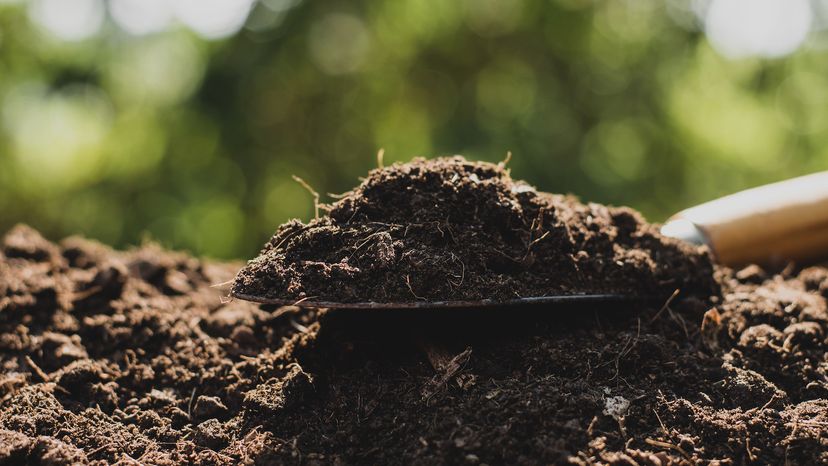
(182, 120)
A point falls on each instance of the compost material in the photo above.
(134, 358)
(452, 230)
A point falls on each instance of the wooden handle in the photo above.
(768, 225)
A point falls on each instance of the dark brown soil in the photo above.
(452, 230)
(132, 357)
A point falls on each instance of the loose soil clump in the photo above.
(133, 357)
(452, 230)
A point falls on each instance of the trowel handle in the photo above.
(768, 225)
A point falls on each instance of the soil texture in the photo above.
(111, 357)
(452, 230)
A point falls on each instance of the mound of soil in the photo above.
(452, 230)
(132, 357)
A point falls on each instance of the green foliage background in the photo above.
(192, 142)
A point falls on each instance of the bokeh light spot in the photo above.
(141, 17)
(339, 43)
(57, 137)
(69, 20)
(141, 72)
(213, 19)
(764, 28)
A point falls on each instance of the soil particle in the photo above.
(207, 407)
(159, 372)
(16, 448)
(212, 434)
(25, 243)
(452, 230)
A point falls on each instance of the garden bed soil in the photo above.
(136, 356)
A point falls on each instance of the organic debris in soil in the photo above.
(116, 357)
(452, 230)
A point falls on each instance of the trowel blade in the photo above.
(486, 303)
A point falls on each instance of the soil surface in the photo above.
(133, 358)
(452, 230)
